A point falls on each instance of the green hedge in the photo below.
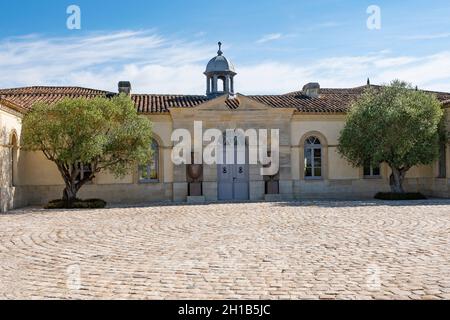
(78, 204)
(399, 196)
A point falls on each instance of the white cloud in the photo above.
(269, 37)
(156, 64)
(428, 36)
(95, 60)
(428, 72)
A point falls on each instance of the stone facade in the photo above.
(10, 130)
(28, 178)
(37, 180)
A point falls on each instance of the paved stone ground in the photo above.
(309, 250)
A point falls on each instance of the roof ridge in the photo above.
(332, 89)
(45, 86)
(168, 95)
(50, 90)
(332, 100)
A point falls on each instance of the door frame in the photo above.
(234, 171)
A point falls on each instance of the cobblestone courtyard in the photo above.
(326, 250)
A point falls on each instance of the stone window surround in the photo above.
(324, 144)
(446, 164)
(160, 167)
(384, 172)
(325, 147)
(372, 176)
(312, 147)
(83, 171)
(13, 147)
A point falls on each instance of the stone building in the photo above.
(309, 121)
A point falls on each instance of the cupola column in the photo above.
(214, 85)
(208, 85)
(227, 83)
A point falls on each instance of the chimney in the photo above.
(125, 87)
(311, 90)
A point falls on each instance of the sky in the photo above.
(277, 46)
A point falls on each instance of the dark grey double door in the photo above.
(233, 179)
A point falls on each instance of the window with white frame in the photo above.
(371, 171)
(85, 171)
(150, 171)
(313, 158)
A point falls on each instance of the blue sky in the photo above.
(276, 46)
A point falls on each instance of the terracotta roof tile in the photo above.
(329, 100)
(28, 96)
(52, 90)
(152, 103)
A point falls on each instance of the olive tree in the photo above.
(101, 133)
(394, 124)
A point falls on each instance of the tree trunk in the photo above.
(70, 195)
(396, 180)
(69, 173)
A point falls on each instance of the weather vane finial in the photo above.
(220, 49)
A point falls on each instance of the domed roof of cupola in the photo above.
(219, 63)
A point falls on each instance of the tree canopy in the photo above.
(103, 133)
(395, 124)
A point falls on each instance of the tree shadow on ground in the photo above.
(333, 203)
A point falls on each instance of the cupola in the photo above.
(219, 75)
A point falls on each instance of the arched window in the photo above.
(150, 171)
(313, 158)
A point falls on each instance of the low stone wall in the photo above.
(366, 188)
(339, 189)
(16, 197)
(113, 193)
(440, 188)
